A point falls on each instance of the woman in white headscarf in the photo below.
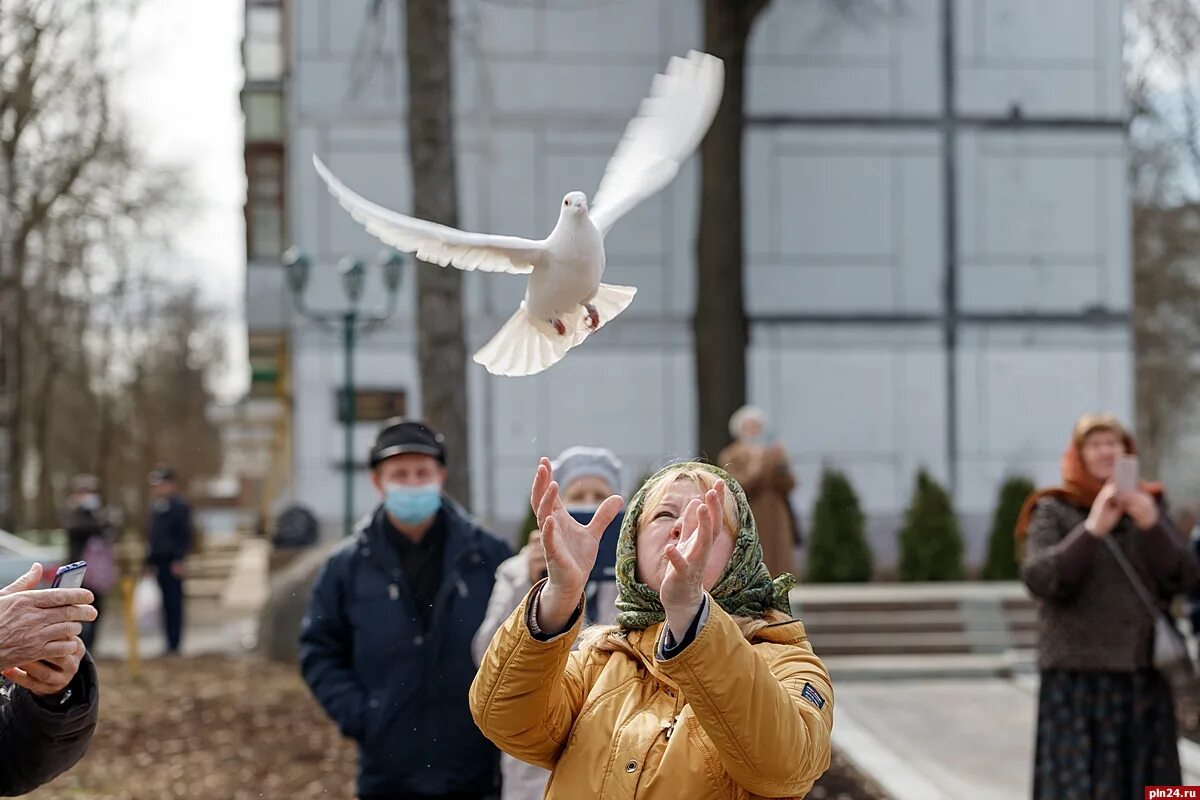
(761, 467)
(588, 475)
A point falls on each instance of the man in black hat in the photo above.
(386, 644)
(170, 538)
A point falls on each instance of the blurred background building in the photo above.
(937, 219)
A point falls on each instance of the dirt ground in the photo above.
(237, 729)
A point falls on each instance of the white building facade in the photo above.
(937, 235)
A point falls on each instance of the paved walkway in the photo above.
(220, 622)
(947, 739)
(208, 629)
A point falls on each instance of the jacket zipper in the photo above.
(669, 725)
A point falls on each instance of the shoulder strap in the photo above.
(1140, 588)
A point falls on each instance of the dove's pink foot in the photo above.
(559, 326)
(593, 321)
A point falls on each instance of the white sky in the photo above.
(183, 73)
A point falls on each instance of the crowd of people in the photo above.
(648, 650)
(642, 649)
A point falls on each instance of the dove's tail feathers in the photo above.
(611, 300)
(527, 345)
(524, 346)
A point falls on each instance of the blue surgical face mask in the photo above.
(583, 510)
(411, 505)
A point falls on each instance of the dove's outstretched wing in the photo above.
(669, 126)
(436, 243)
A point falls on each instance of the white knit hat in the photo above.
(743, 415)
(582, 462)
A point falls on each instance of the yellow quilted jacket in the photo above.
(725, 718)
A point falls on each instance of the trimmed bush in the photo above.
(931, 547)
(837, 547)
(1001, 564)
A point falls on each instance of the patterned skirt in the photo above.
(1104, 736)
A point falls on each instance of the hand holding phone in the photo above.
(1126, 475)
(70, 576)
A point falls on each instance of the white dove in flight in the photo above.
(565, 300)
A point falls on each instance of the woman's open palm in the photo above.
(683, 581)
(570, 546)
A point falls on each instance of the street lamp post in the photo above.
(353, 323)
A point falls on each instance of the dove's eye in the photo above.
(566, 202)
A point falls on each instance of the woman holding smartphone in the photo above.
(1106, 719)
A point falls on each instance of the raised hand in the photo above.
(1106, 512)
(1142, 508)
(682, 589)
(40, 624)
(569, 545)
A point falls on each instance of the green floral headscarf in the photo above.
(745, 587)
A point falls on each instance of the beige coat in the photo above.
(764, 475)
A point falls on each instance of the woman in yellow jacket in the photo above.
(706, 688)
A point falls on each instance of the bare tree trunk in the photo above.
(45, 515)
(1163, 47)
(720, 325)
(15, 420)
(105, 425)
(441, 342)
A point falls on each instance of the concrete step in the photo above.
(214, 559)
(869, 605)
(223, 544)
(831, 644)
(248, 582)
(933, 619)
(203, 588)
(199, 571)
(939, 592)
(914, 666)
(900, 617)
(852, 625)
(981, 629)
(209, 570)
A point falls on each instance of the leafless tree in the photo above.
(1162, 60)
(78, 206)
(441, 342)
(720, 324)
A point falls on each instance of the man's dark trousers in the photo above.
(172, 597)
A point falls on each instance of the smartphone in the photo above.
(70, 576)
(1126, 475)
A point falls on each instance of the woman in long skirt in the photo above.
(1106, 722)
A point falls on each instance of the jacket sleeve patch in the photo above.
(813, 696)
